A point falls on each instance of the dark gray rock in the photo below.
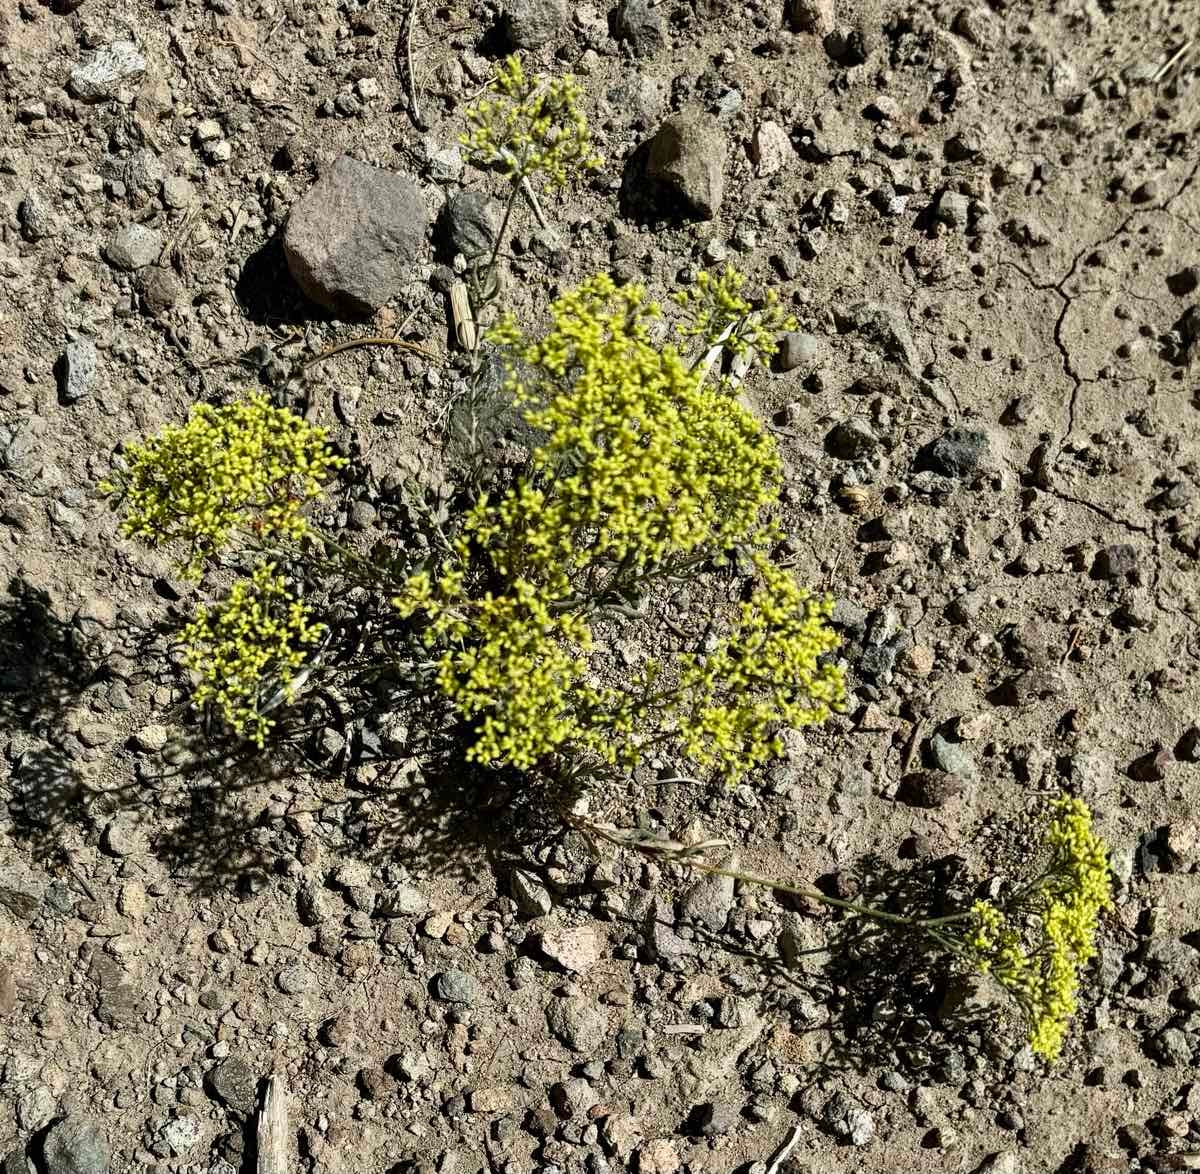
(456, 986)
(352, 239)
(77, 370)
(35, 217)
(530, 24)
(847, 46)
(162, 289)
(957, 453)
(1172, 1048)
(848, 1120)
(929, 788)
(143, 171)
(532, 897)
(661, 936)
(235, 1085)
(76, 1145)
(1185, 281)
(100, 77)
(685, 164)
(133, 247)
(878, 661)
(466, 225)
(1118, 561)
(640, 23)
(851, 439)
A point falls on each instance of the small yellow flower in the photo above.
(248, 465)
(256, 635)
(1064, 910)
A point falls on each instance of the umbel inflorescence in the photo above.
(245, 466)
(530, 125)
(259, 633)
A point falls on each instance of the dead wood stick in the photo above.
(273, 1128)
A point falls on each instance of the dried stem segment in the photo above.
(273, 1129)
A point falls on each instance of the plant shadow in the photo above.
(862, 997)
(374, 768)
(47, 666)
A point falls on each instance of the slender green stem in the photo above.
(350, 553)
(868, 911)
(508, 211)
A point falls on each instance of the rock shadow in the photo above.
(267, 293)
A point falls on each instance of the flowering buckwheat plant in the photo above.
(644, 471)
(248, 465)
(533, 125)
(260, 631)
(1038, 946)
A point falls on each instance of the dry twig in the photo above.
(372, 340)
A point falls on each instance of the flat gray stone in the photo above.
(78, 370)
(133, 247)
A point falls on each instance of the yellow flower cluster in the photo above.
(1065, 905)
(767, 671)
(716, 311)
(259, 631)
(533, 125)
(642, 461)
(641, 468)
(248, 464)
